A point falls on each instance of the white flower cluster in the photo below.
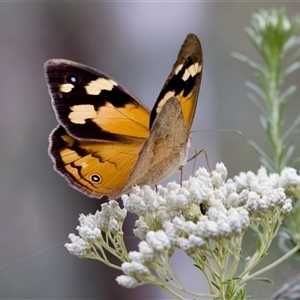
(266, 191)
(108, 220)
(202, 214)
(176, 208)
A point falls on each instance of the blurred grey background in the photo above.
(137, 44)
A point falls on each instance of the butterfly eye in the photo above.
(72, 79)
(96, 178)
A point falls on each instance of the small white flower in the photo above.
(135, 269)
(230, 188)
(243, 197)
(102, 221)
(234, 221)
(150, 198)
(287, 207)
(113, 226)
(136, 256)
(116, 211)
(216, 179)
(190, 228)
(224, 228)
(88, 220)
(202, 174)
(262, 206)
(221, 169)
(215, 213)
(289, 178)
(158, 241)
(182, 198)
(142, 229)
(233, 200)
(78, 246)
(170, 231)
(178, 225)
(135, 204)
(146, 251)
(244, 218)
(196, 241)
(211, 229)
(127, 281)
(106, 210)
(251, 204)
(90, 235)
(184, 244)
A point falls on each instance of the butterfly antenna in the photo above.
(219, 130)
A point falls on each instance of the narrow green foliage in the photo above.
(273, 36)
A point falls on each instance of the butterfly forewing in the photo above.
(165, 149)
(184, 80)
(90, 105)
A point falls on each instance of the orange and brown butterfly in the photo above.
(107, 141)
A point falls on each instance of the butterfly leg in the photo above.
(196, 155)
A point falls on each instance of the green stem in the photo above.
(274, 264)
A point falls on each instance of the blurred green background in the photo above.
(137, 44)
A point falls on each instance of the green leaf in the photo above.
(288, 155)
(290, 69)
(290, 130)
(252, 64)
(254, 39)
(256, 88)
(287, 94)
(263, 122)
(262, 110)
(290, 45)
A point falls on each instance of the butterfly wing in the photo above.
(102, 129)
(184, 81)
(165, 149)
(96, 169)
(92, 106)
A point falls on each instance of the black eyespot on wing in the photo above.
(96, 178)
(72, 79)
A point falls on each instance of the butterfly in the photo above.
(107, 141)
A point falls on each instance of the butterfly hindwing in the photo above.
(90, 105)
(94, 168)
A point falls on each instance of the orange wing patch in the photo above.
(131, 119)
(95, 168)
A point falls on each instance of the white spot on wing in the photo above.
(96, 86)
(80, 113)
(66, 87)
(161, 103)
(178, 68)
(192, 71)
